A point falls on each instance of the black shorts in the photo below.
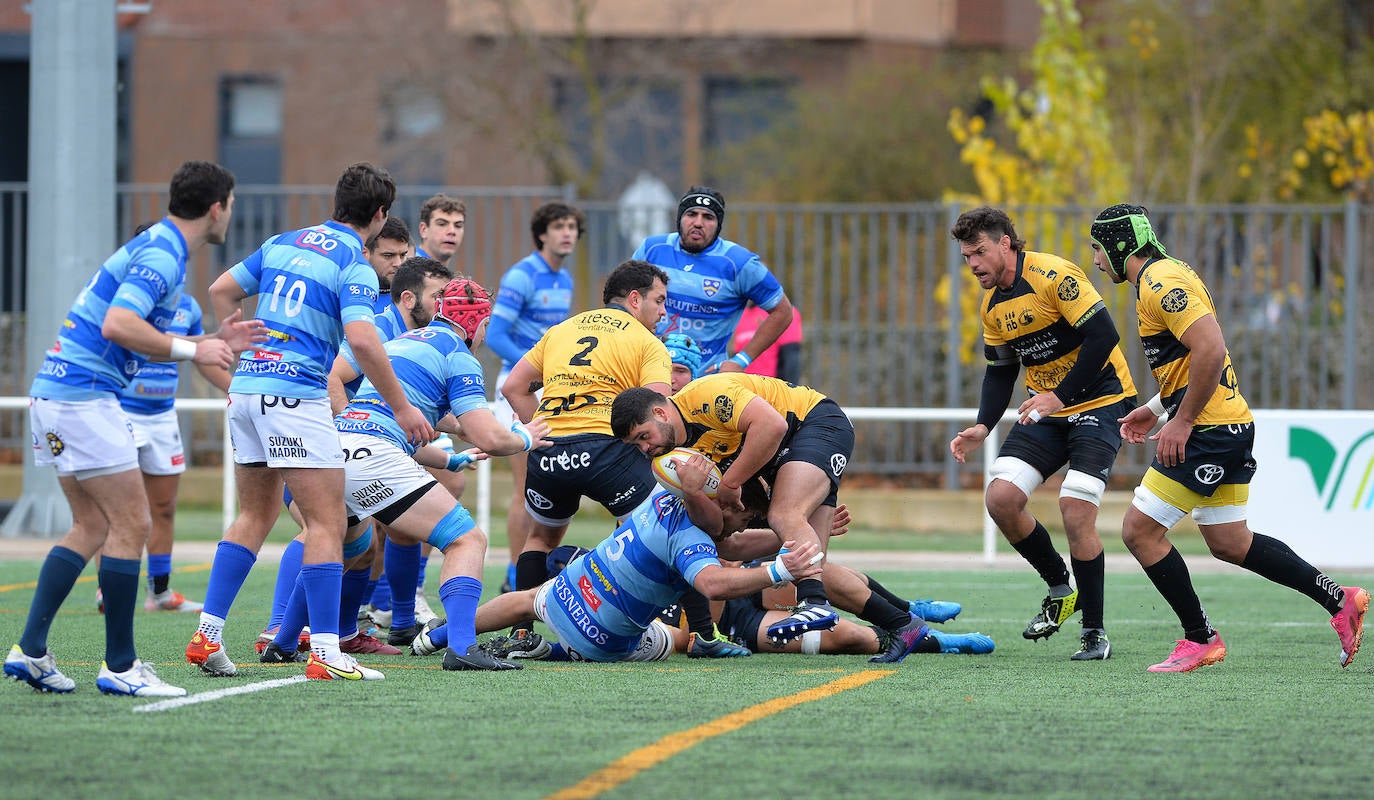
(742, 618)
(824, 438)
(595, 465)
(1214, 456)
(1087, 441)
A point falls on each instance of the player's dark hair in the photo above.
(196, 186)
(992, 221)
(362, 189)
(444, 203)
(411, 275)
(631, 276)
(394, 228)
(631, 407)
(549, 213)
(755, 498)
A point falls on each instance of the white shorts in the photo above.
(284, 432)
(377, 474)
(158, 439)
(500, 407)
(82, 436)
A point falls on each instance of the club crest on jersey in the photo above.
(55, 443)
(1174, 301)
(1068, 289)
(724, 408)
(710, 286)
(1027, 318)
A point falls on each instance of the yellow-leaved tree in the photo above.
(1055, 149)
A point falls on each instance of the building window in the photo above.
(250, 132)
(641, 126)
(412, 134)
(737, 109)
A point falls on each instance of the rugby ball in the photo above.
(665, 471)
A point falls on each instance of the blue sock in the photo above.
(402, 570)
(56, 578)
(159, 565)
(510, 574)
(294, 618)
(439, 636)
(381, 593)
(366, 599)
(322, 583)
(227, 574)
(420, 576)
(460, 595)
(119, 584)
(350, 593)
(287, 570)
(557, 652)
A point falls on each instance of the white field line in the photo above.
(218, 694)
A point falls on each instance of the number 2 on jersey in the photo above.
(581, 359)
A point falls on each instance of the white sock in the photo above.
(325, 646)
(212, 626)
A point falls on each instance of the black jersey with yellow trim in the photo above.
(1170, 297)
(1036, 322)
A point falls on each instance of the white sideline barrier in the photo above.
(1315, 490)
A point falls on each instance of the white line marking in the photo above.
(205, 697)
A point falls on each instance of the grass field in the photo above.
(1279, 718)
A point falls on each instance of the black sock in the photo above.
(885, 593)
(531, 570)
(1272, 559)
(1039, 551)
(160, 583)
(698, 611)
(812, 591)
(879, 611)
(1091, 580)
(1170, 577)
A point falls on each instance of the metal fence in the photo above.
(887, 304)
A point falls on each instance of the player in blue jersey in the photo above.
(118, 322)
(443, 221)
(711, 279)
(604, 605)
(149, 401)
(386, 251)
(313, 288)
(535, 294)
(415, 289)
(436, 366)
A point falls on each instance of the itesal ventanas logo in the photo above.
(1344, 481)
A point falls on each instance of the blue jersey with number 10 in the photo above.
(146, 276)
(439, 375)
(309, 283)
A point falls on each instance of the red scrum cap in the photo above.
(464, 304)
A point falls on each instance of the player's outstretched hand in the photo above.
(966, 441)
(1136, 425)
(241, 334)
(803, 560)
(539, 429)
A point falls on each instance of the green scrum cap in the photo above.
(1122, 231)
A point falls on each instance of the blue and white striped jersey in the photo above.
(309, 283)
(386, 315)
(707, 291)
(604, 601)
(533, 298)
(439, 375)
(154, 389)
(146, 276)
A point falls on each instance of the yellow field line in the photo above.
(88, 578)
(631, 764)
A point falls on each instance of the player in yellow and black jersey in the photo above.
(1041, 311)
(1203, 464)
(796, 439)
(582, 363)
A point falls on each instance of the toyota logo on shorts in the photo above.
(838, 462)
(538, 500)
(1208, 474)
